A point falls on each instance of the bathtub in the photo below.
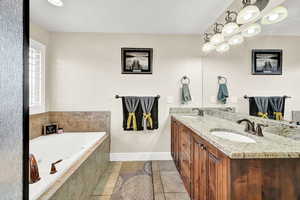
(70, 147)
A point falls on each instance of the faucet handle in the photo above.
(53, 168)
(259, 129)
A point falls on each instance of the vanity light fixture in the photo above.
(252, 30)
(223, 47)
(248, 13)
(236, 39)
(276, 15)
(58, 3)
(243, 24)
(208, 46)
(217, 38)
(231, 27)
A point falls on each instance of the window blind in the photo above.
(35, 76)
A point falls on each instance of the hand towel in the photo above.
(185, 93)
(262, 104)
(223, 93)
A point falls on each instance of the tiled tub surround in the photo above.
(73, 121)
(36, 123)
(78, 182)
(269, 146)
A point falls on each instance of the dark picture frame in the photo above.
(136, 60)
(50, 128)
(266, 62)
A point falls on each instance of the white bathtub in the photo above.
(47, 149)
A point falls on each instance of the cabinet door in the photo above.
(199, 168)
(173, 139)
(185, 156)
(175, 142)
(217, 177)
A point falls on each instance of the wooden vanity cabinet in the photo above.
(208, 174)
(201, 166)
(209, 168)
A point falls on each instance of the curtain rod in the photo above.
(285, 96)
(117, 96)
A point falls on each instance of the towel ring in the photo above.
(222, 78)
(185, 78)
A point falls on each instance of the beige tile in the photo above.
(172, 182)
(157, 183)
(155, 166)
(167, 165)
(159, 196)
(108, 180)
(177, 196)
(100, 198)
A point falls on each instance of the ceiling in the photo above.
(129, 16)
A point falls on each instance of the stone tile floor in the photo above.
(151, 180)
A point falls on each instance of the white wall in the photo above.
(85, 74)
(236, 66)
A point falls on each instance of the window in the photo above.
(36, 77)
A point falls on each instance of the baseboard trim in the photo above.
(140, 156)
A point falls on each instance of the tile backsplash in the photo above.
(36, 123)
(77, 121)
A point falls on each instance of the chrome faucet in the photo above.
(200, 112)
(250, 127)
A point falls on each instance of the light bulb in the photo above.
(276, 15)
(57, 3)
(223, 47)
(273, 17)
(230, 29)
(248, 14)
(208, 47)
(251, 30)
(217, 39)
(236, 39)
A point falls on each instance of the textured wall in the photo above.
(11, 99)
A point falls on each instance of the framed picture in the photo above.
(50, 128)
(267, 62)
(136, 60)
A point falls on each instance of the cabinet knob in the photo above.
(203, 147)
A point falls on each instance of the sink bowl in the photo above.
(190, 116)
(235, 137)
(193, 117)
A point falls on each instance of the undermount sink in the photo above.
(235, 137)
(190, 116)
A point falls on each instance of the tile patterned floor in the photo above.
(151, 180)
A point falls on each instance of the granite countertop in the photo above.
(270, 146)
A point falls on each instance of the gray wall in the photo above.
(11, 99)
